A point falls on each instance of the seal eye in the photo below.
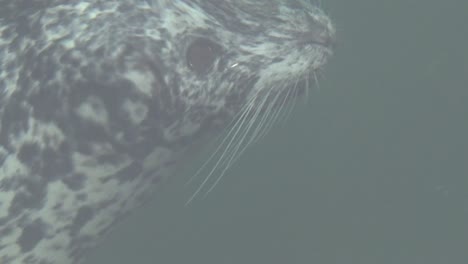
(202, 54)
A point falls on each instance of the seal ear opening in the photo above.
(201, 55)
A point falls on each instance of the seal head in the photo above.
(99, 100)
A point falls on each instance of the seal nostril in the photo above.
(320, 35)
(317, 35)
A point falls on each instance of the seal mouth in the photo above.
(327, 42)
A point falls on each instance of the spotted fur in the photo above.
(99, 99)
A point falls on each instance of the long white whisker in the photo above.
(237, 118)
(267, 115)
(258, 129)
(272, 118)
(280, 110)
(221, 158)
(316, 81)
(236, 153)
(284, 105)
(307, 89)
(242, 134)
(291, 105)
(253, 121)
(263, 121)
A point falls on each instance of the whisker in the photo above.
(253, 121)
(236, 127)
(307, 88)
(237, 118)
(316, 81)
(271, 120)
(265, 121)
(291, 105)
(236, 153)
(284, 105)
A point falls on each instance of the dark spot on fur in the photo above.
(90, 132)
(28, 152)
(85, 148)
(125, 7)
(128, 173)
(3, 156)
(111, 158)
(31, 235)
(56, 163)
(32, 196)
(278, 59)
(47, 104)
(156, 177)
(68, 59)
(45, 74)
(100, 52)
(5, 230)
(112, 96)
(74, 181)
(2, 84)
(10, 66)
(82, 197)
(142, 149)
(8, 184)
(14, 120)
(84, 214)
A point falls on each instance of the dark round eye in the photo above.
(202, 54)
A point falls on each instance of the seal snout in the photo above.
(319, 34)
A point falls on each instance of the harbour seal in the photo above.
(99, 100)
